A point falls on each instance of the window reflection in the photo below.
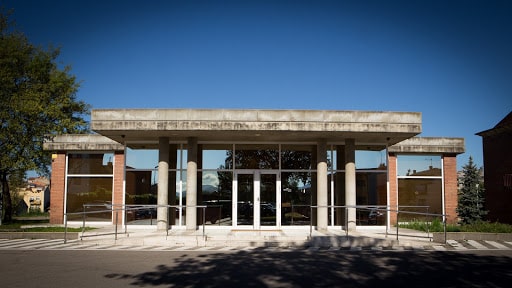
(217, 196)
(419, 195)
(90, 163)
(296, 156)
(96, 191)
(256, 157)
(419, 165)
(295, 198)
(217, 156)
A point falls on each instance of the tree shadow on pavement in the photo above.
(263, 268)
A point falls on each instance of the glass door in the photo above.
(257, 199)
(245, 199)
(268, 200)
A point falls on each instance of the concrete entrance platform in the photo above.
(335, 238)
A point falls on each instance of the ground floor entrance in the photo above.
(258, 203)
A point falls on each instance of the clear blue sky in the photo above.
(449, 60)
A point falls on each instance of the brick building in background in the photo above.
(497, 151)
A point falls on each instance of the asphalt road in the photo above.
(255, 268)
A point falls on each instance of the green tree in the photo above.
(471, 195)
(38, 101)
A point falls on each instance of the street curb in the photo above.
(459, 236)
(38, 235)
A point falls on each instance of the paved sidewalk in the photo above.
(284, 237)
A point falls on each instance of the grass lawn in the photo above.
(15, 226)
(437, 226)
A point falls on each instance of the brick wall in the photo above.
(393, 187)
(57, 188)
(118, 185)
(450, 188)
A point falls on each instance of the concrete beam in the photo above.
(429, 145)
(285, 125)
(82, 142)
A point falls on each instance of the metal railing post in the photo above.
(292, 213)
(397, 224)
(168, 219)
(346, 221)
(117, 222)
(444, 228)
(65, 229)
(125, 218)
(310, 221)
(204, 218)
(428, 224)
(83, 224)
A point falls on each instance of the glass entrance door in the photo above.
(245, 199)
(257, 198)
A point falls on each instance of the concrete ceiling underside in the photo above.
(365, 141)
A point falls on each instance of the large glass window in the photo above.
(217, 196)
(142, 184)
(296, 157)
(89, 183)
(296, 198)
(217, 156)
(419, 165)
(419, 185)
(88, 164)
(419, 195)
(257, 156)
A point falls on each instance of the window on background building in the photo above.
(90, 181)
(420, 186)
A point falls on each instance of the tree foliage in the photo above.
(471, 195)
(38, 101)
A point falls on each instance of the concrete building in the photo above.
(254, 169)
(497, 143)
(35, 196)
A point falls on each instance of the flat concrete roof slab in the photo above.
(82, 142)
(429, 145)
(367, 127)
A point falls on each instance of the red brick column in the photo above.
(450, 188)
(393, 187)
(118, 191)
(57, 186)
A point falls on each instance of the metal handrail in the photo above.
(131, 207)
(125, 208)
(373, 207)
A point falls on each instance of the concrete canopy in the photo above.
(371, 130)
(81, 142)
(434, 145)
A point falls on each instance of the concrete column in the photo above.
(191, 216)
(321, 168)
(163, 183)
(350, 181)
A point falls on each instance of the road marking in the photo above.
(57, 244)
(456, 245)
(439, 248)
(497, 245)
(476, 244)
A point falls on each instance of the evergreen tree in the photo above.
(471, 195)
